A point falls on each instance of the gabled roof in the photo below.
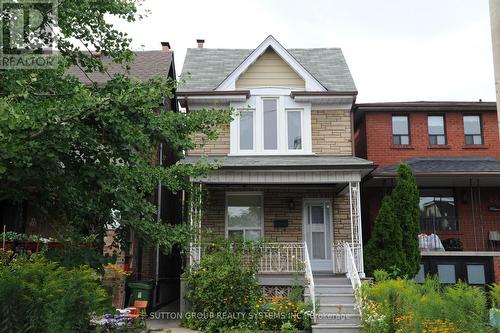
(146, 65)
(206, 69)
(446, 165)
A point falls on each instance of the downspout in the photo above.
(473, 206)
(495, 41)
(158, 220)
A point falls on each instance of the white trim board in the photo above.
(280, 177)
(311, 83)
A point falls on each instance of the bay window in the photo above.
(271, 125)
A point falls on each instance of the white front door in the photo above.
(317, 233)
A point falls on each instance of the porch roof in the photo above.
(439, 166)
(310, 169)
(287, 162)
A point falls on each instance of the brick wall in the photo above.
(276, 207)
(215, 147)
(378, 138)
(496, 269)
(331, 132)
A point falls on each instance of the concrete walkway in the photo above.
(164, 324)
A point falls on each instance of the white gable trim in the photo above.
(229, 82)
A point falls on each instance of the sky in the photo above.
(397, 50)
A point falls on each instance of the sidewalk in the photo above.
(167, 325)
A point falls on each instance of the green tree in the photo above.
(394, 245)
(407, 211)
(77, 153)
(384, 250)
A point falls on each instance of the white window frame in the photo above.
(238, 118)
(226, 220)
(285, 103)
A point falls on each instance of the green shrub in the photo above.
(405, 306)
(41, 297)
(495, 295)
(288, 327)
(222, 291)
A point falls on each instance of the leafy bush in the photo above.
(404, 306)
(495, 295)
(222, 290)
(272, 313)
(40, 296)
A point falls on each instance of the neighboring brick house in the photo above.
(454, 150)
(289, 175)
(146, 261)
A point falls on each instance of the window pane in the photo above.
(472, 125)
(405, 140)
(477, 139)
(318, 245)
(246, 130)
(447, 273)
(317, 216)
(436, 125)
(252, 235)
(235, 234)
(244, 211)
(420, 278)
(400, 125)
(441, 140)
(437, 210)
(475, 274)
(270, 124)
(294, 124)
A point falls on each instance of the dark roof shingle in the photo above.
(445, 165)
(146, 65)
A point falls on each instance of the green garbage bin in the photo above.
(139, 291)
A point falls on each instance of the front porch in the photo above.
(293, 226)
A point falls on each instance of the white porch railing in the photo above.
(352, 273)
(274, 257)
(339, 257)
(309, 277)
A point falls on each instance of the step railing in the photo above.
(339, 259)
(309, 278)
(352, 273)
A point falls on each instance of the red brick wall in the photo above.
(496, 269)
(380, 150)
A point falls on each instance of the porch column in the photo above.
(356, 227)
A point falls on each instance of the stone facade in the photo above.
(331, 132)
(276, 207)
(215, 147)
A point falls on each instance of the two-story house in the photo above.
(288, 173)
(453, 149)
